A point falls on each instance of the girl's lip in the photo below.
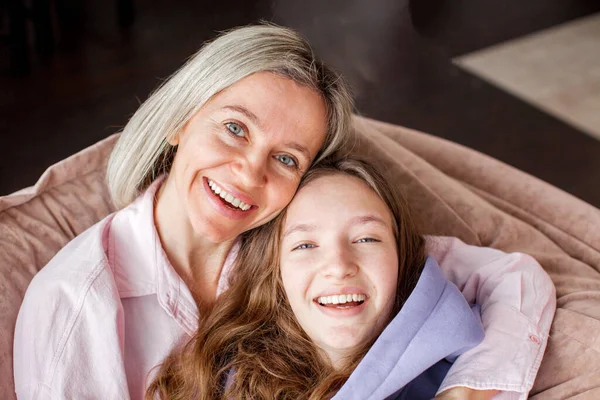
(223, 209)
(234, 192)
(331, 291)
(340, 311)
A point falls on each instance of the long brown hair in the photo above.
(249, 344)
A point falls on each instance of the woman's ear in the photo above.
(174, 140)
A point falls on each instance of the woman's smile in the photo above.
(241, 156)
(226, 203)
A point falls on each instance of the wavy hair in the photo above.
(250, 345)
(143, 152)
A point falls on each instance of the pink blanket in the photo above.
(453, 190)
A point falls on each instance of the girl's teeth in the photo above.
(341, 299)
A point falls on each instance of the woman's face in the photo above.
(241, 156)
(339, 263)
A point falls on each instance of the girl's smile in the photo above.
(339, 263)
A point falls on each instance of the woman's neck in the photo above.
(198, 261)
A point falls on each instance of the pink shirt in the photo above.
(109, 307)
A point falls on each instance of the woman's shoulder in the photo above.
(71, 304)
(75, 273)
(448, 250)
(79, 257)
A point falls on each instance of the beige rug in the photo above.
(557, 70)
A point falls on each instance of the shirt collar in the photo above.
(141, 266)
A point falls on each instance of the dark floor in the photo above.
(396, 55)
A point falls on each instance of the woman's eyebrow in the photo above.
(298, 147)
(299, 228)
(256, 121)
(243, 110)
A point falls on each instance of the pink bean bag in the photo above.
(453, 190)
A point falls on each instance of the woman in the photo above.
(218, 150)
(312, 294)
(246, 117)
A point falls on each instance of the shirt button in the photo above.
(534, 339)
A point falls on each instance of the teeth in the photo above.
(341, 299)
(228, 197)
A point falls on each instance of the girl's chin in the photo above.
(344, 346)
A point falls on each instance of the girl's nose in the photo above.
(339, 264)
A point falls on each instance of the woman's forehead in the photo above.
(276, 106)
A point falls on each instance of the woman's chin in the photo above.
(215, 234)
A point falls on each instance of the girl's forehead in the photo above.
(335, 196)
(335, 183)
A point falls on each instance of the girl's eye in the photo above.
(304, 246)
(287, 161)
(367, 240)
(236, 129)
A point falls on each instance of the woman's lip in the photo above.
(235, 193)
(227, 211)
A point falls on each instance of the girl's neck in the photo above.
(198, 261)
(337, 359)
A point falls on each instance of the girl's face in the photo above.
(241, 156)
(339, 263)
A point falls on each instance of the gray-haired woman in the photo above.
(217, 150)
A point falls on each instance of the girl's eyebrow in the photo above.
(366, 219)
(359, 220)
(299, 228)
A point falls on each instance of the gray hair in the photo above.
(143, 153)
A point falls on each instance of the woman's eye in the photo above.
(287, 161)
(304, 246)
(367, 240)
(236, 129)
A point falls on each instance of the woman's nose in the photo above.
(252, 170)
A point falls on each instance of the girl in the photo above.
(334, 298)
